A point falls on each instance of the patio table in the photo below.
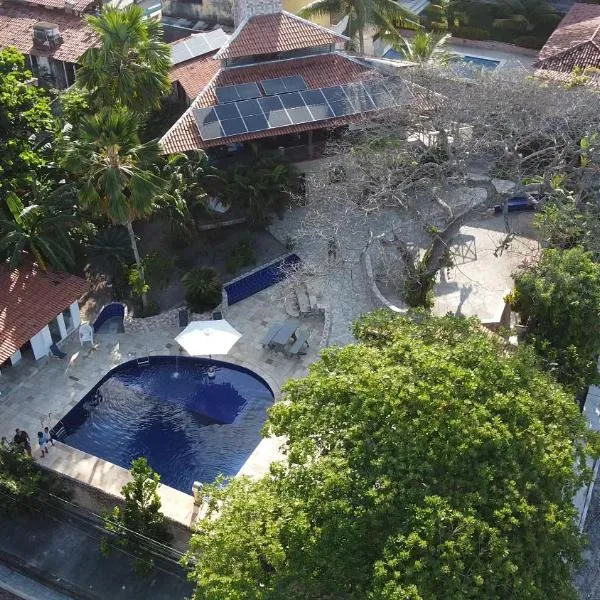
(286, 331)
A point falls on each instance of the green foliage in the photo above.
(423, 47)
(36, 232)
(19, 479)
(383, 15)
(202, 288)
(137, 282)
(110, 250)
(131, 65)
(241, 256)
(558, 299)
(158, 268)
(260, 187)
(425, 461)
(26, 122)
(74, 105)
(140, 517)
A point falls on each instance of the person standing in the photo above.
(48, 437)
(42, 442)
(24, 441)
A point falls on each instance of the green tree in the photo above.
(140, 517)
(558, 299)
(115, 171)
(427, 460)
(38, 232)
(524, 15)
(26, 122)
(381, 14)
(131, 64)
(424, 47)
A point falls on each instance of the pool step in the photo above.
(143, 361)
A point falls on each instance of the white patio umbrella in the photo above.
(203, 338)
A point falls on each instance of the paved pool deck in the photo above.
(34, 395)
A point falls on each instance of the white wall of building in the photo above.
(15, 358)
(75, 314)
(41, 342)
(61, 326)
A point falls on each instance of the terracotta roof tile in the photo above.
(194, 75)
(29, 300)
(576, 38)
(78, 6)
(276, 32)
(16, 29)
(318, 71)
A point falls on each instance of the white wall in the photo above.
(15, 358)
(75, 314)
(62, 327)
(41, 342)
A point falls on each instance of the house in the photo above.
(575, 43)
(37, 309)
(278, 78)
(52, 34)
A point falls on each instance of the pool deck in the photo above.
(34, 395)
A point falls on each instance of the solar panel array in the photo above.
(197, 45)
(260, 113)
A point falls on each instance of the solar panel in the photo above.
(334, 93)
(248, 90)
(278, 118)
(234, 126)
(180, 53)
(359, 98)
(292, 100)
(226, 94)
(249, 108)
(313, 97)
(197, 46)
(273, 87)
(380, 95)
(256, 122)
(294, 83)
(270, 103)
(227, 111)
(300, 114)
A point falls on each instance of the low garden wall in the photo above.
(167, 319)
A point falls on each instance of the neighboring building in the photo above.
(52, 34)
(37, 309)
(574, 43)
(278, 78)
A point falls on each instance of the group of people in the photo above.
(22, 442)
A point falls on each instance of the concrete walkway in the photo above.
(12, 582)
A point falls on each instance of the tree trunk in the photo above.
(361, 40)
(138, 260)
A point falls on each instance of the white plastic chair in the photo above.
(86, 333)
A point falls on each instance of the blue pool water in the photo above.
(246, 286)
(188, 426)
(468, 66)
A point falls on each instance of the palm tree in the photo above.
(424, 47)
(131, 65)
(37, 231)
(116, 170)
(381, 14)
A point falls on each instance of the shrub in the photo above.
(203, 288)
(471, 33)
(241, 256)
(157, 269)
(529, 41)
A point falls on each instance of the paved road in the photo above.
(4, 595)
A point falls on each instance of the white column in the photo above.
(15, 358)
(75, 314)
(61, 326)
(41, 342)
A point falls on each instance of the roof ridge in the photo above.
(566, 51)
(315, 25)
(232, 37)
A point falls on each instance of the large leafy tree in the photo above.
(26, 123)
(131, 64)
(426, 461)
(558, 299)
(115, 170)
(381, 14)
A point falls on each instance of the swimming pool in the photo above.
(190, 427)
(468, 66)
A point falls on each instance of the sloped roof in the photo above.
(16, 29)
(194, 75)
(318, 71)
(29, 299)
(575, 42)
(276, 32)
(78, 6)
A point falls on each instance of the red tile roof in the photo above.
(29, 300)
(194, 75)
(276, 32)
(575, 42)
(318, 71)
(78, 5)
(16, 29)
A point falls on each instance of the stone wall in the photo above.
(166, 320)
(244, 9)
